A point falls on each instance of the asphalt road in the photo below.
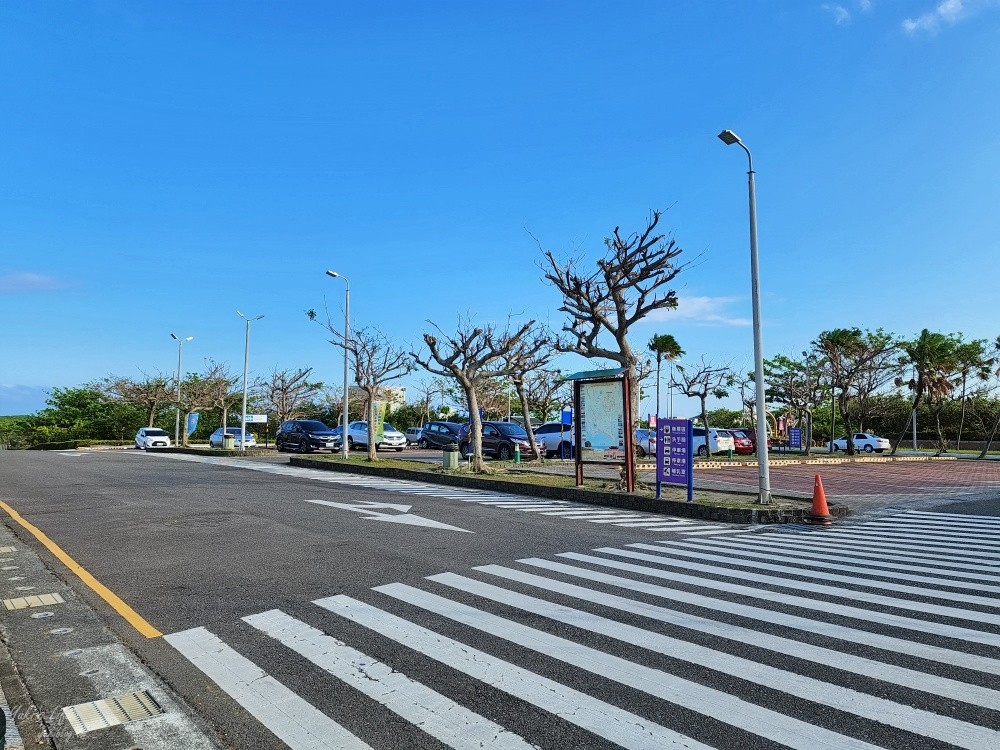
(880, 634)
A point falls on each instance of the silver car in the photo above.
(357, 436)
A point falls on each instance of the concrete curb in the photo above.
(621, 500)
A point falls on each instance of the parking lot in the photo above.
(865, 483)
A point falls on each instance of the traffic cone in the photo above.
(820, 514)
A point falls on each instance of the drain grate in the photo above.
(41, 600)
(110, 712)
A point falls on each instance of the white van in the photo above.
(720, 441)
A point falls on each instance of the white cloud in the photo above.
(945, 13)
(700, 310)
(840, 14)
(28, 282)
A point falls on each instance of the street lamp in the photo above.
(246, 361)
(347, 341)
(177, 423)
(764, 475)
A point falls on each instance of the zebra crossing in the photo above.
(567, 509)
(796, 637)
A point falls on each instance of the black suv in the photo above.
(439, 434)
(305, 435)
(499, 439)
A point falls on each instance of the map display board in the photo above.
(602, 421)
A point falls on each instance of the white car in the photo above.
(215, 439)
(555, 439)
(413, 435)
(151, 437)
(357, 437)
(719, 441)
(863, 441)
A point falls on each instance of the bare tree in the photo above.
(701, 381)
(150, 393)
(548, 392)
(289, 393)
(426, 389)
(629, 283)
(797, 383)
(219, 384)
(531, 354)
(197, 392)
(376, 362)
(470, 356)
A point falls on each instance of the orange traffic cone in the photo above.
(820, 514)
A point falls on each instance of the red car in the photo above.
(746, 440)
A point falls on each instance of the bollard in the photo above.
(517, 453)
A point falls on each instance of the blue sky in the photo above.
(165, 164)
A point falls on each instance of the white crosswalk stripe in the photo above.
(803, 656)
(571, 510)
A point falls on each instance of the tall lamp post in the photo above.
(347, 341)
(180, 348)
(763, 470)
(246, 362)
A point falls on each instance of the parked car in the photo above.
(151, 437)
(357, 437)
(499, 440)
(719, 441)
(863, 441)
(305, 435)
(555, 439)
(745, 439)
(413, 435)
(644, 442)
(439, 434)
(215, 439)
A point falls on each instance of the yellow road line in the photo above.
(98, 588)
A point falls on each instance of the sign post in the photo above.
(674, 458)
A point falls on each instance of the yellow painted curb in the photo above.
(130, 615)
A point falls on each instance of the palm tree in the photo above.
(972, 360)
(934, 358)
(665, 346)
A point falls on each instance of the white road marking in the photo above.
(437, 715)
(707, 701)
(838, 659)
(877, 709)
(679, 549)
(874, 550)
(292, 720)
(908, 623)
(820, 627)
(404, 518)
(836, 562)
(600, 718)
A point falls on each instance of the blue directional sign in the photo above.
(674, 457)
(795, 437)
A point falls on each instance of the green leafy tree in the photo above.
(798, 384)
(933, 359)
(860, 363)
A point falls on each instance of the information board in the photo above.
(602, 420)
(674, 457)
(795, 437)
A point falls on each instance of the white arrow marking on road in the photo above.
(406, 518)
